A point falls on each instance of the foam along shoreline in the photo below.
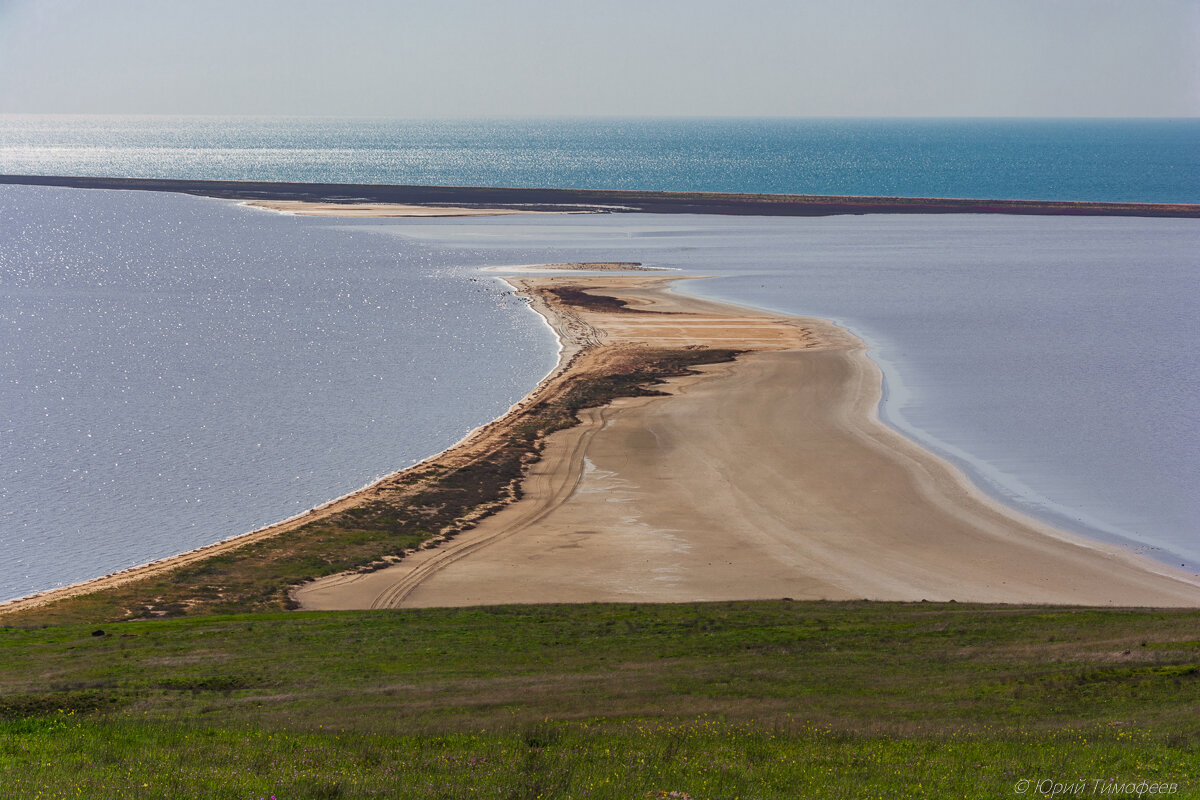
(769, 476)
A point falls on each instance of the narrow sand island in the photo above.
(769, 476)
(305, 208)
(607, 200)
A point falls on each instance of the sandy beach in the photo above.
(303, 208)
(766, 477)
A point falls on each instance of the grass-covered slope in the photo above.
(768, 699)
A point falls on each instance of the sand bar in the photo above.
(305, 208)
(657, 202)
(767, 477)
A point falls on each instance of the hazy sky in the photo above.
(603, 57)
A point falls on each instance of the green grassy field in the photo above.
(722, 700)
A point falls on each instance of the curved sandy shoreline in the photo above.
(770, 476)
(464, 448)
(767, 477)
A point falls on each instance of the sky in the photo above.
(518, 58)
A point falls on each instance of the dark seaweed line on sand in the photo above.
(611, 200)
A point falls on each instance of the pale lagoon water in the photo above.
(177, 370)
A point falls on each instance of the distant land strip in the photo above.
(606, 200)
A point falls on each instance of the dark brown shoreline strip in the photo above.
(611, 200)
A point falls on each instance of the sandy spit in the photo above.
(767, 477)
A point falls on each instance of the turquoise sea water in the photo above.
(1104, 160)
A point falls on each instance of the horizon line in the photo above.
(548, 117)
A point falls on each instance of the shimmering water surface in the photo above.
(177, 370)
(1080, 159)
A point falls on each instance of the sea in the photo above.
(178, 370)
(1123, 160)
